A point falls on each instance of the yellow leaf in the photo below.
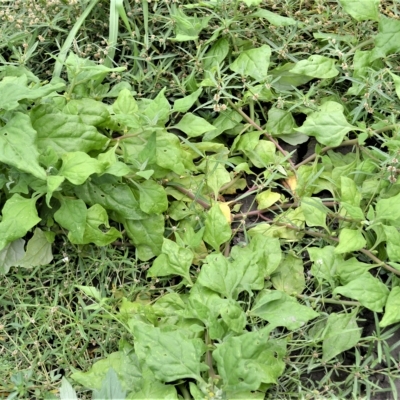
(292, 182)
(226, 211)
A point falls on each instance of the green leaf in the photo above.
(217, 175)
(205, 305)
(250, 3)
(285, 79)
(67, 392)
(314, 211)
(72, 216)
(194, 126)
(153, 389)
(341, 333)
(38, 251)
(97, 216)
(280, 122)
(387, 41)
(349, 191)
(125, 103)
(152, 197)
(234, 317)
(91, 112)
(280, 309)
(117, 197)
(146, 235)
(91, 291)
(328, 125)
(82, 70)
(18, 146)
(368, 290)
(169, 153)
(351, 269)
(19, 216)
(317, 67)
(350, 240)
(396, 80)
(245, 362)
(174, 260)
(269, 252)
(53, 183)
(11, 254)
(187, 28)
(246, 261)
(216, 54)
(169, 355)
(184, 104)
(111, 165)
(392, 243)
(392, 308)
(218, 230)
(157, 112)
(325, 263)
(266, 199)
(228, 119)
(272, 18)
(367, 10)
(13, 89)
(388, 209)
(64, 133)
(263, 154)
(219, 275)
(78, 166)
(289, 276)
(253, 62)
(124, 363)
(111, 388)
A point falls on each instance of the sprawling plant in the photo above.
(170, 172)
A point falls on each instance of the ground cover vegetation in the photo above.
(199, 199)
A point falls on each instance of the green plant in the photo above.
(161, 153)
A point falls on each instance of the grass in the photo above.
(51, 326)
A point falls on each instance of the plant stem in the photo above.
(184, 391)
(352, 142)
(189, 194)
(209, 360)
(330, 301)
